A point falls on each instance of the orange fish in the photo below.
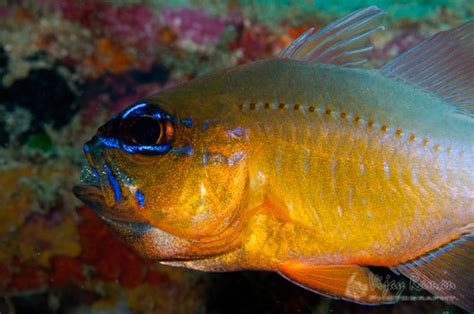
(305, 165)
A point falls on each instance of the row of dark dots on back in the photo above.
(327, 111)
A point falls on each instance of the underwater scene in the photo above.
(100, 182)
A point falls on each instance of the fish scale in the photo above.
(322, 166)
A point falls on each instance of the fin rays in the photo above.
(350, 282)
(443, 64)
(344, 42)
(451, 264)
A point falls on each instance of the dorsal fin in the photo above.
(447, 272)
(344, 42)
(442, 64)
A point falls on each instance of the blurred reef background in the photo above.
(67, 66)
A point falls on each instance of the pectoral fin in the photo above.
(349, 282)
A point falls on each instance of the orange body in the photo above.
(329, 177)
(310, 169)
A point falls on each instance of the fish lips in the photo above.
(89, 194)
(92, 196)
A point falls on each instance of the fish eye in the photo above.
(146, 129)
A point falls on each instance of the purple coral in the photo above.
(193, 24)
(132, 24)
(4, 11)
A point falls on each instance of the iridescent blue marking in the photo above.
(236, 157)
(205, 126)
(158, 115)
(185, 150)
(85, 148)
(129, 111)
(187, 122)
(146, 148)
(110, 142)
(141, 109)
(238, 132)
(96, 174)
(114, 184)
(140, 198)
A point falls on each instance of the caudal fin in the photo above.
(443, 65)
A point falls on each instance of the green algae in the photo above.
(41, 141)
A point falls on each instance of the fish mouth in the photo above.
(119, 214)
(91, 195)
(88, 193)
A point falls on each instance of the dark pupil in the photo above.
(145, 131)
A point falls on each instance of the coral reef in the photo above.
(65, 67)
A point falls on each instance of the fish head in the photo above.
(171, 184)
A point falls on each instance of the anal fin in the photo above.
(447, 272)
(350, 282)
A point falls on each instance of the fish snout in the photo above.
(103, 185)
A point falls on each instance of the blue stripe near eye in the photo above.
(187, 122)
(157, 115)
(129, 111)
(146, 148)
(114, 184)
(142, 109)
(140, 198)
(96, 174)
(110, 142)
(133, 149)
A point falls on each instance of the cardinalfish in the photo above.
(305, 164)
